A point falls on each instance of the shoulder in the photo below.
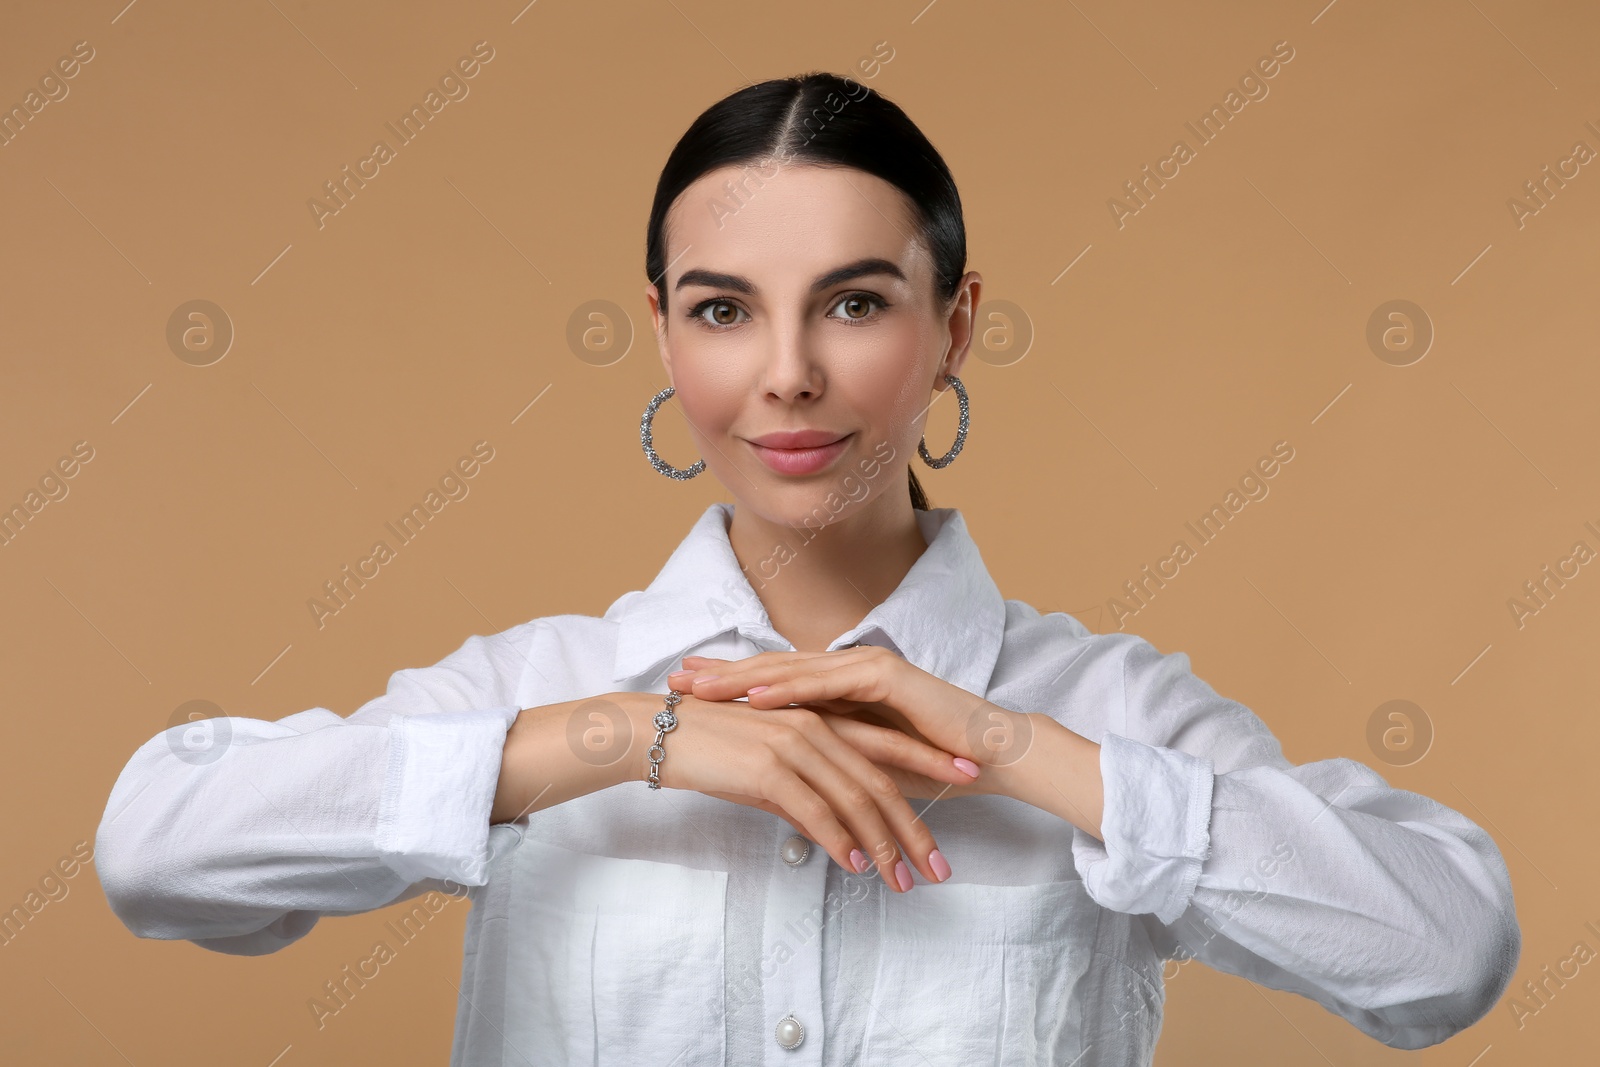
(1049, 644)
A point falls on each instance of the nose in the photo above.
(792, 370)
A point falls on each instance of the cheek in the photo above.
(710, 391)
(887, 381)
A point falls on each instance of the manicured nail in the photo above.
(967, 767)
(858, 860)
(679, 674)
(902, 874)
(940, 867)
(756, 690)
(707, 678)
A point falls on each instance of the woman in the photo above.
(685, 825)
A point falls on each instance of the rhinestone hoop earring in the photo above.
(961, 430)
(649, 449)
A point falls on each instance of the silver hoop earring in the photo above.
(649, 449)
(961, 429)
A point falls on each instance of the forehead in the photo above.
(787, 228)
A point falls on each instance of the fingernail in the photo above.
(756, 690)
(858, 860)
(940, 867)
(679, 674)
(707, 678)
(902, 874)
(967, 767)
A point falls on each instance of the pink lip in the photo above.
(800, 460)
(798, 438)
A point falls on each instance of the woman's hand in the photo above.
(796, 763)
(867, 682)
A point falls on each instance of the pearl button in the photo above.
(789, 1032)
(795, 850)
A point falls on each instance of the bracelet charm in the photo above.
(665, 722)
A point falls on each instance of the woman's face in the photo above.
(804, 302)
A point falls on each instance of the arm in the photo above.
(1382, 905)
(315, 814)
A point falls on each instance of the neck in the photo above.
(818, 582)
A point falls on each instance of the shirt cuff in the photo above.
(444, 770)
(1157, 826)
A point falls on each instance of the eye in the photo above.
(860, 302)
(718, 306)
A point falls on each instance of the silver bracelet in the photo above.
(666, 721)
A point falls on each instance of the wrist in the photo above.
(640, 709)
(1058, 771)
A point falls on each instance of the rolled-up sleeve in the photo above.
(1388, 908)
(240, 833)
(1157, 824)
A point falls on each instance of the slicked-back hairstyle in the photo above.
(818, 119)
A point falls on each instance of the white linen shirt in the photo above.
(631, 926)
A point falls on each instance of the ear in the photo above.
(963, 325)
(658, 323)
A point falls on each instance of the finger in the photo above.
(717, 665)
(770, 656)
(845, 800)
(872, 800)
(862, 678)
(760, 663)
(861, 681)
(788, 790)
(885, 745)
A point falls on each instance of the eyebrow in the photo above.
(736, 283)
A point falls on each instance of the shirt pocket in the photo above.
(1020, 975)
(612, 961)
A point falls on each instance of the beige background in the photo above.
(1231, 312)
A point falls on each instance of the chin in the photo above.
(818, 502)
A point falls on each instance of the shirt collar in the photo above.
(947, 616)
